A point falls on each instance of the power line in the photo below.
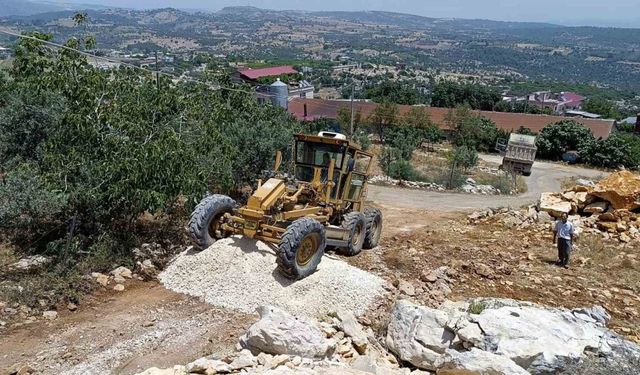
(116, 61)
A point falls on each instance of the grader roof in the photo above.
(327, 140)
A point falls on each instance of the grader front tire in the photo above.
(301, 248)
(204, 225)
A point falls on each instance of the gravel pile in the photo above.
(240, 273)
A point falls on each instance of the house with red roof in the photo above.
(249, 74)
(559, 103)
(267, 86)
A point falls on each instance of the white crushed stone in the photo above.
(240, 273)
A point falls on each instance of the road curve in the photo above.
(545, 176)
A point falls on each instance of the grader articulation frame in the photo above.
(321, 205)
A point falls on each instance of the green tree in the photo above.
(472, 130)
(450, 94)
(394, 92)
(344, 118)
(464, 157)
(567, 135)
(603, 107)
(612, 152)
(383, 117)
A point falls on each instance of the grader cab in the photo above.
(321, 205)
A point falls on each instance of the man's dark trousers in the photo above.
(564, 250)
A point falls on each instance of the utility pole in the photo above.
(352, 89)
(157, 72)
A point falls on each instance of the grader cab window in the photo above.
(358, 177)
(310, 155)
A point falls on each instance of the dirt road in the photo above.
(124, 333)
(544, 177)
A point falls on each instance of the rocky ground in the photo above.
(482, 336)
(428, 257)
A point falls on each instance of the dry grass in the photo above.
(7, 255)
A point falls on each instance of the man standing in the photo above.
(563, 235)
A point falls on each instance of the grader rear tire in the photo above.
(301, 248)
(354, 222)
(374, 227)
(204, 225)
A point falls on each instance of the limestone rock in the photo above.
(544, 217)
(554, 204)
(176, 370)
(30, 264)
(278, 332)
(406, 288)
(244, 359)
(418, 334)
(101, 279)
(621, 190)
(478, 362)
(595, 314)
(536, 337)
(122, 272)
(50, 315)
(206, 365)
(352, 328)
(596, 208)
(147, 269)
(118, 288)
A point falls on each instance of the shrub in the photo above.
(477, 307)
(612, 152)
(556, 139)
(402, 170)
(464, 157)
(28, 207)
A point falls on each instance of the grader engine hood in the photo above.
(260, 202)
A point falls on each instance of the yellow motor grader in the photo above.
(321, 205)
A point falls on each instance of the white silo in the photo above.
(280, 92)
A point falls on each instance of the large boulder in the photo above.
(621, 190)
(418, 334)
(538, 339)
(554, 204)
(478, 362)
(278, 332)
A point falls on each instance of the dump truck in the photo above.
(519, 154)
(321, 204)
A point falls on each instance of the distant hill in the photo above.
(30, 7)
(414, 21)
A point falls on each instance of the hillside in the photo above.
(604, 57)
(29, 7)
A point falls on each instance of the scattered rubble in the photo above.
(503, 336)
(29, 264)
(616, 218)
(470, 186)
(384, 180)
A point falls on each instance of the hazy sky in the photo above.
(596, 12)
